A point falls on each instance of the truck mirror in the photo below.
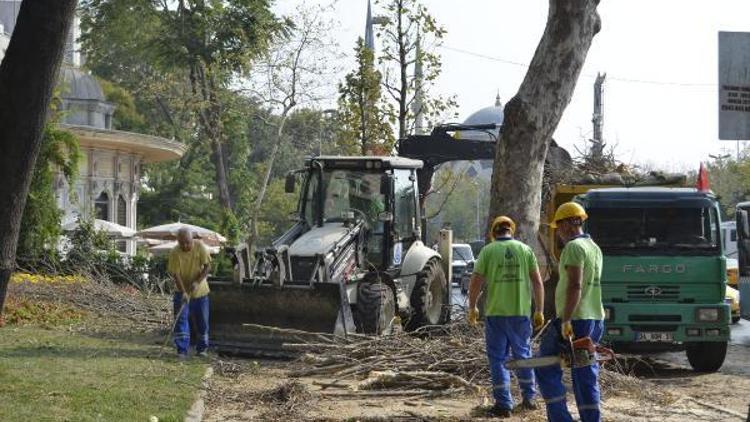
(386, 185)
(289, 183)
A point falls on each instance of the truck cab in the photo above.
(664, 273)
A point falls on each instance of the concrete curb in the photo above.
(195, 414)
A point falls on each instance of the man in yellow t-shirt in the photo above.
(578, 301)
(188, 265)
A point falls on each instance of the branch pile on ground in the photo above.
(102, 297)
(434, 358)
(451, 357)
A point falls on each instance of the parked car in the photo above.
(733, 295)
(733, 273)
(732, 298)
(463, 261)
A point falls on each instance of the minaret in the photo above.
(418, 104)
(369, 35)
(597, 147)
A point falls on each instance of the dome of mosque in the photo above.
(79, 85)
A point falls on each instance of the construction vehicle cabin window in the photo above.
(406, 204)
(655, 231)
(346, 194)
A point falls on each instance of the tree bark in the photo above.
(532, 115)
(27, 77)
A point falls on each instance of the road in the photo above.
(741, 333)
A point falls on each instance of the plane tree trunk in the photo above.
(533, 114)
(27, 76)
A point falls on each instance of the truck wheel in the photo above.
(430, 299)
(376, 308)
(706, 356)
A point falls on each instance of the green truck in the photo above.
(664, 274)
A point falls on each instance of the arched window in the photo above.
(122, 217)
(101, 206)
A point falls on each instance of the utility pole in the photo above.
(597, 147)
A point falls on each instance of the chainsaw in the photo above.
(576, 353)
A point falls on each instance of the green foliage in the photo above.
(729, 179)
(458, 200)
(275, 215)
(410, 37)
(364, 118)
(172, 72)
(40, 226)
(126, 115)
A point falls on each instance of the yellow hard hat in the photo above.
(568, 210)
(501, 220)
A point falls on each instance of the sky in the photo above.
(660, 96)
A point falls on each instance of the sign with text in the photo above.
(734, 85)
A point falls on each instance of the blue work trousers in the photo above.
(585, 379)
(196, 311)
(506, 335)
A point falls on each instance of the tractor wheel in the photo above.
(430, 299)
(376, 308)
(707, 356)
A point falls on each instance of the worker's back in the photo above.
(505, 265)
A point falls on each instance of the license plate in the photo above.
(655, 337)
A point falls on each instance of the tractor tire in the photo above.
(376, 309)
(706, 356)
(430, 298)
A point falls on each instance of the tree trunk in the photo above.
(532, 115)
(27, 77)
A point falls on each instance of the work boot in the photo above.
(528, 404)
(499, 411)
(202, 354)
(182, 356)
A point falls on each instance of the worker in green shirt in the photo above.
(578, 301)
(510, 271)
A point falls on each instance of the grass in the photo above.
(60, 374)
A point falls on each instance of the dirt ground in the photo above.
(665, 390)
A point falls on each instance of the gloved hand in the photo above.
(538, 321)
(567, 330)
(473, 316)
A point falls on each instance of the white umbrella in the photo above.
(169, 232)
(164, 248)
(112, 229)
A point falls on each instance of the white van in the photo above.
(729, 238)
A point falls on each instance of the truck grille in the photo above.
(302, 269)
(655, 318)
(458, 271)
(653, 293)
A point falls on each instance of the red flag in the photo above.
(702, 182)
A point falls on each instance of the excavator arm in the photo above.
(440, 147)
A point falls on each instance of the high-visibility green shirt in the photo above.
(505, 265)
(584, 253)
(188, 264)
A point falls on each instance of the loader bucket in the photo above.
(259, 320)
